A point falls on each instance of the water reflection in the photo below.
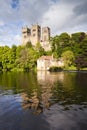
(61, 88)
(47, 77)
(40, 91)
(59, 100)
(40, 97)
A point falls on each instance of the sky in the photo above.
(60, 15)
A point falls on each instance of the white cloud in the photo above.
(10, 40)
(59, 15)
(1, 23)
(62, 18)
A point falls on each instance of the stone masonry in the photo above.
(36, 35)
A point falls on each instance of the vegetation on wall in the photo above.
(72, 49)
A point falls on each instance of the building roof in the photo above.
(45, 58)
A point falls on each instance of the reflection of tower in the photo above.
(41, 97)
(35, 34)
(45, 81)
(26, 33)
(45, 77)
(31, 102)
(45, 34)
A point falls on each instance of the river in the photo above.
(43, 101)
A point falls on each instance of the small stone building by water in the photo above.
(45, 62)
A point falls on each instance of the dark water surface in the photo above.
(43, 101)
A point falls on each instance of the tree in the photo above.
(40, 49)
(5, 57)
(23, 60)
(81, 61)
(84, 45)
(28, 45)
(64, 39)
(54, 43)
(12, 55)
(1, 53)
(55, 46)
(78, 37)
(68, 57)
(33, 56)
(1, 67)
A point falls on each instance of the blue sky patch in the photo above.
(14, 3)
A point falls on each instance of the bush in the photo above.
(55, 69)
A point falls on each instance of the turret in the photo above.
(45, 34)
(26, 33)
(35, 34)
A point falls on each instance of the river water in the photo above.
(43, 101)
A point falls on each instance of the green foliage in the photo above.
(64, 39)
(55, 69)
(78, 37)
(48, 53)
(68, 58)
(73, 50)
(29, 45)
(55, 46)
(18, 58)
(39, 49)
(1, 67)
(81, 61)
(76, 43)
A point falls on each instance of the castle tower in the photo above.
(35, 34)
(26, 33)
(45, 34)
(46, 39)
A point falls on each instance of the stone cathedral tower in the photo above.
(45, 34)
(46, 38)
(26, 35)
(35, 35)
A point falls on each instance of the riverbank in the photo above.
(52, 69)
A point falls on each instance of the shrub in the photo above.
(55, 69)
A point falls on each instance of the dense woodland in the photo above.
(71, 48)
